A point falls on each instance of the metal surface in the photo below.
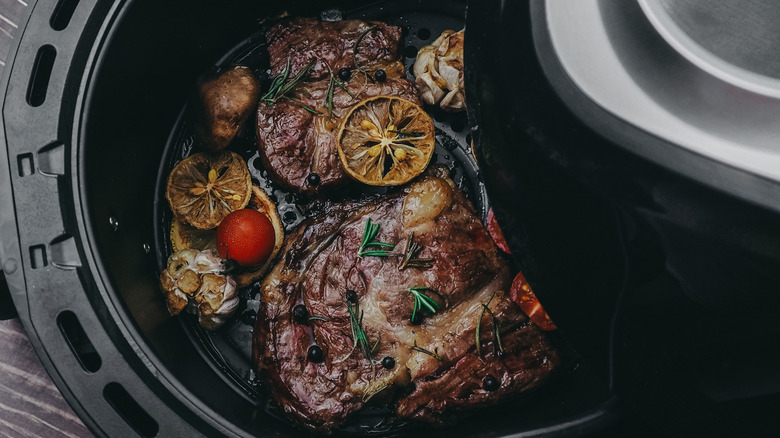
(655, 102)
(737, 41)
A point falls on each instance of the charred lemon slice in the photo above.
(205, 188)
(386, 141)
(184, 236)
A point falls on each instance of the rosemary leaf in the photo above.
(343, 87)
(498, 348)
(329, 95)
(429, 353)
(283, 84)
(359, 338)
(278, 81)
(302, 105)
(421, 300)
(411, 259)
(369, 233)
(376, 253)
(479, 323)
(366, 398)
(355, 51)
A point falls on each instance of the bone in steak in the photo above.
(320, 263)
(295, 142)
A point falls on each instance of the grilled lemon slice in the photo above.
(386, 141)
(204, 188)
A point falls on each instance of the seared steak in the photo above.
(437, 369)
(294, 141)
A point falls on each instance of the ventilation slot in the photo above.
(38, 256)
(78, 341)
(130, 410)
(41, 73)
(62, 14)
(25, 162)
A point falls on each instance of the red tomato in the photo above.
(522, 294)
(245, 236)
(495, 232)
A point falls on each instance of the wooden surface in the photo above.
(30, 404)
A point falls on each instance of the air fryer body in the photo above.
(665, 281)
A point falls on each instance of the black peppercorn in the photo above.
(490, 383)
(300, 314)
(380, 75)
(345, 74)
(352, 296)
(315, 354)
(388, 362)
(416, 319)
(313, 179)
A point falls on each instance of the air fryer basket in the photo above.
(93, 105)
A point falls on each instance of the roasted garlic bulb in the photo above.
(194, 279)
(439, 72)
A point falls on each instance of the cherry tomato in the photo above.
(522, 294)
(246, 236)
(495, 232)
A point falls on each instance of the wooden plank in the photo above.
(10, 13)
(30, 404)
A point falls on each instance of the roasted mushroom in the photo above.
(195, 280)
(439, 72)
(226, 100)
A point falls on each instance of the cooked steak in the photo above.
(437, 370)
(294, 140)
(331, 45)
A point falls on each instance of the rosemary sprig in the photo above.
(429, 353)
(369, 233)
(406, 134)
(359, 338)
(331, 89)
(355, 51)
(420, 300)
(278, 82)
(411, 259)
(498, 348)
(283, 84)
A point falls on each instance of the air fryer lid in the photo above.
(691, 85)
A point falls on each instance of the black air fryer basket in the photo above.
(95, 114)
